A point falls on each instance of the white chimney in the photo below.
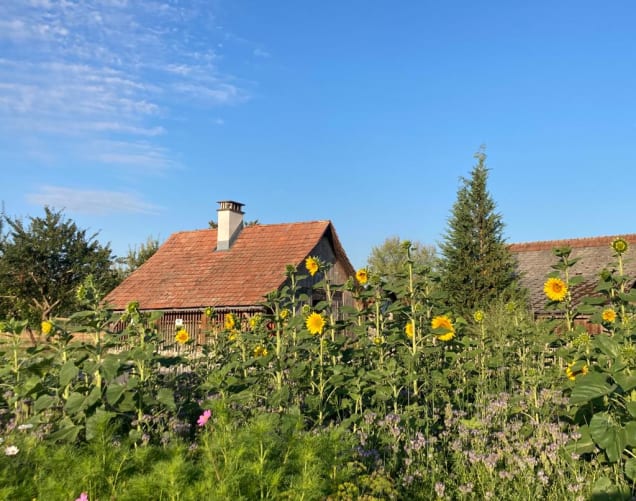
(230, 223)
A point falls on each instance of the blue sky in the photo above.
(136, 117)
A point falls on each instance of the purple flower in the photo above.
(203, 418)
(83, 497)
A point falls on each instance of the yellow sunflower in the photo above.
(311, 263)
(571, 374)
(230, 321)
(443, 322)
(315, 323)
(255, 321)
(260, 351)
(362, 276)
(620, 245)
(378, 340)
(409, 330)
(478, 316)
(182, 336)
(555, 289)
(284, 314)
(609, 315)
(46, 327)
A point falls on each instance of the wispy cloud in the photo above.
(109, 70)
(94, 202)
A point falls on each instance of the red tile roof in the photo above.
(188, 272)
(535, 260)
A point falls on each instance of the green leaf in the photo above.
(74, 403)
(114, 393)
(68, 372)
(630, 433)
(630, 469)
(589, 387)
(625, 381)
(67, 433)
(607, 345)
(584, 445)
(166, 397)
(628, 297)
(609, 436)
(97, 424)
(44, 402)
(631, 408)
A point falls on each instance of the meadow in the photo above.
(393, 398)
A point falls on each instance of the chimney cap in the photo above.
(230, 205)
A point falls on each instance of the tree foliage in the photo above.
(388, 259)
(476, 265)
(43, 262)
(136, 257)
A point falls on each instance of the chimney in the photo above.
(230, 223)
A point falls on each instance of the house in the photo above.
(535, 261)
(230, 268)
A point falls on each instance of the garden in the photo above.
(395, 397)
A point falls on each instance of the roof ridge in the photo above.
(571, 242)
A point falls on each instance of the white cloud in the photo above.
(96, 202)
(107, 70)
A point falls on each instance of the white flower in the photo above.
(12, 450)
(26, 426)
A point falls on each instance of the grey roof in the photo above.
(535, 260)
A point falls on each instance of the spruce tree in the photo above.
(476, 266)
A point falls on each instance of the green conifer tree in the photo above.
(476, 265)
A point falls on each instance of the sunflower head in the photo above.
(362, 276)
(260, 351)
(444, 325)
(609, 315)
(378, 340)
(209, 311)
(576, 369)
(478, 316)
(230, 321)
(620, 245)
(312, 265)
(182, 336)
(555, 289)
(409, 330)
(255, 321)
(315, 323)
(46, 327)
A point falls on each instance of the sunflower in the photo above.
(255, 321)
(443, 322)
(182, 336)
(260, 351)
(620, 245)
(609, 315)
(478, 316)
(362, 276)
(555, 289)
(315, 323)
(311, 263)
(230, 321)
(378, 340)
(46, 327)
(409, 330)
(284, 314)
(571, 373)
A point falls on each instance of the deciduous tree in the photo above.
(43, 262)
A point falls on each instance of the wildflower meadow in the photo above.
(395, 397)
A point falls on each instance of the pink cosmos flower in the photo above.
(203, 418)
(83, 497)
